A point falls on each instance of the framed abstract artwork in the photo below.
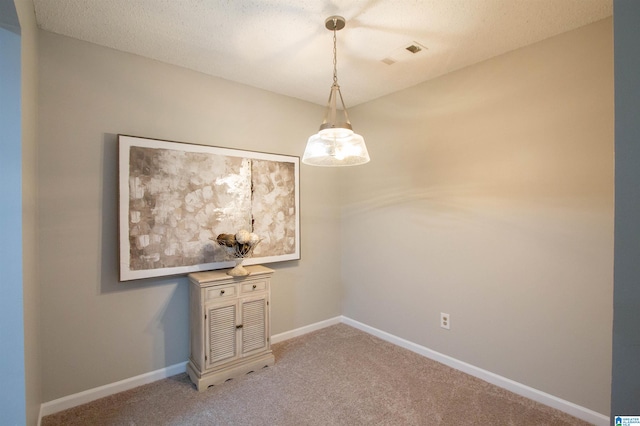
(175, 198)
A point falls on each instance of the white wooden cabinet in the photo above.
(229, 325)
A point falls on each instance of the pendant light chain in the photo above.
(335, 54)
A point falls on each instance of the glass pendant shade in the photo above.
(335, 147)
(335, 144)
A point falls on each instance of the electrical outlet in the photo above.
(445, 321)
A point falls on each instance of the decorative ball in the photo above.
(228, 240)
(243, 236)
(253, 239)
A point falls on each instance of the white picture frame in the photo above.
(175, 198)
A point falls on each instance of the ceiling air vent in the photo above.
(404, 53)
(413, 48)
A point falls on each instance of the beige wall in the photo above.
(30, 284)
(490, 197)
(96, 330)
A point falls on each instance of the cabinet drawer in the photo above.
(220, 292)
(254, 286)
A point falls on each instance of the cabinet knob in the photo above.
(254, 286)
(221, 292)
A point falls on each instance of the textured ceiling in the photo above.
(283, 46)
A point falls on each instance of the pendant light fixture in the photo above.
(335, 144)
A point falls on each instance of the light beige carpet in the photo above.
(334, 376)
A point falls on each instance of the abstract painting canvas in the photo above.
(175, 198)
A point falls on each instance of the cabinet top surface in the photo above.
(221, 274)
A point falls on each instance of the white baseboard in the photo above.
(508, 384)
(80, 398)
(84, 397)
(306, 329)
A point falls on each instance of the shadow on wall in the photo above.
(167, 326)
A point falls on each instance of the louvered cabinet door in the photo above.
(221, 333)
(229, 325)
(254, 325)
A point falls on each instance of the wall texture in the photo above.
(96, 330)
(490, 197)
